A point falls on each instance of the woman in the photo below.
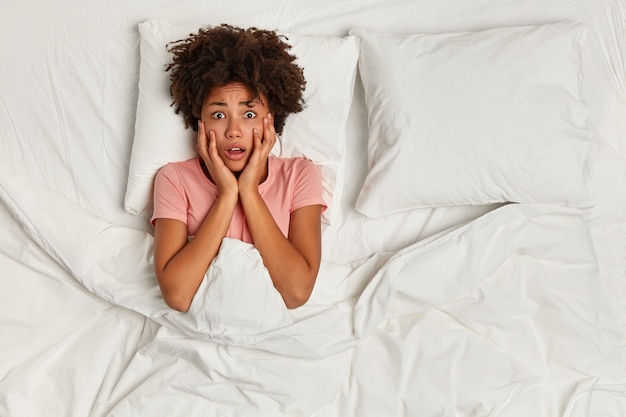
(236, 87)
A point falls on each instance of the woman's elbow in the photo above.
(176, 301)
(295, 302)
(175, 295)
(181, 307)
(299, 297)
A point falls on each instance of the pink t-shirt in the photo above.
(183, 192)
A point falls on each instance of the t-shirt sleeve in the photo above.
(170, 201)
(308, 187)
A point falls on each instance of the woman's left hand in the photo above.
(255, 170)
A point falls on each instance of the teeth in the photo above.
(235, 149)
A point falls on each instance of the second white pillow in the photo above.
(475, 118)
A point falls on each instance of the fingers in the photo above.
(201, 141)
(269, 133)
(206, 144)
(258, 139)
(212, 145)
(265, 142)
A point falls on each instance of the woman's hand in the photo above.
(255, 170)
(207, 149)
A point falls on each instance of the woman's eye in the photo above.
(249, 115)
(218, 115)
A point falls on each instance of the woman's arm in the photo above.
(293, 261)
(180, 264)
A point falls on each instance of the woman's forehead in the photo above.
(233, 92)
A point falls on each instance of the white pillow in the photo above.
(475, 118)
(318, 132)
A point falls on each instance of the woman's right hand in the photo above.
(206, 147)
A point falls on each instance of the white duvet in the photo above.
(500, 316)
(447, 311)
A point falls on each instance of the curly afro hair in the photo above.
(217, 56)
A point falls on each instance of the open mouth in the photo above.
(235, 152)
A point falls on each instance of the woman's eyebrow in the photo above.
(252, 102)
(248, 103)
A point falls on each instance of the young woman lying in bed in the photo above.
(236, 87)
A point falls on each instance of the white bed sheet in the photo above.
(67, 99)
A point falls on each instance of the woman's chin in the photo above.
(235, 166)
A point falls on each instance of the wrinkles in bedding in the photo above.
(509, 339)
(175, 374)
(539, 332)
(608, 231)
(511, 295)
(62, 348)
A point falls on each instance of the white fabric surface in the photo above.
(517, 283)
(236, 295)
(519, 312)
(475, 118)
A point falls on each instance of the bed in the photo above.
(473, 155)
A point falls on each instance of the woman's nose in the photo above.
(233, 130)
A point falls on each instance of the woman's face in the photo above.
(232, 113)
